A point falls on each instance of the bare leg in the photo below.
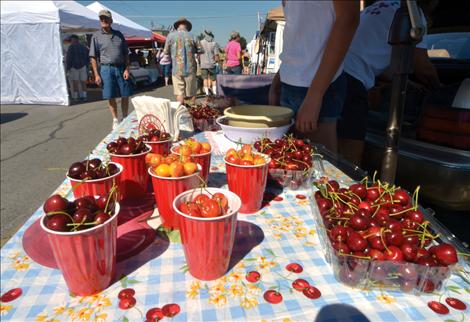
(167, 79)
(75, 89)
(83, 89)
(180, 98)
(124, 106)
(351, 150)
(113, 107)
(326, 135)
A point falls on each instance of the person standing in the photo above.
(181, 46)
(310, 80)
(165, 64)
(77, 67)
(233, 54)
(209, 56)
(109, 47)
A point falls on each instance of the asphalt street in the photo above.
(36, 139)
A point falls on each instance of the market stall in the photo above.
(277, 271)
(38, 78)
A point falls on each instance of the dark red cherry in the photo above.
(456, 303)
(101, 217)
(55, 203)
(312, 292)
(58, 222)
(438, 307)
(171, 310)
(76, 170)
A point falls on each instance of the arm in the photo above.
(125, 53)
(341, 35)
(94, 65)
(424, 70)
(68, 60)
(275, 91)
(166, 49)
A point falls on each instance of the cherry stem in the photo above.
(463, 254)
(51, 213)
(355, 256)
(382, 239)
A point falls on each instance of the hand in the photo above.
(307, 116)
(98, 80)
(125, 75)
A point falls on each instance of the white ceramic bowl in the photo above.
(250, 135)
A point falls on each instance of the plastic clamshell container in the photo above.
(258, 116)
(366, 274)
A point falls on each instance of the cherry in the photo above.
(372, 193)
(348, 277)
(120, 141)
(402, 196)
(111, 146)
(394, 254)
(410, 252)
(55, 203)
(58, 222)
(94, 163)
(341, 248)
(112, 169)
(11, 295)
(358, 222)
(126, 293)
(294, 268)
(416, 216)
(154, 314)
(438, 307)
(332, 186)
(125, 149)
(359, 190)
(272, 296)
(363, 212)
(300, 284)
(376, 243)
(378, 272)
(409, 224)
(445, 254)
(428, 286)
(253, 276)
(422, 252)
(407, 286)
(75, 170)
(127, 303)
(87, 202)
(356, 242)
(375, 254)
(394, 238)
(365, 205)
(411, 239)
(103, 200)
(338, 233)
(393, 225)
(408, 271)
(301, 197)
(312, 292)
(88, 175)
(171, 310)
(456, 303)
(101, 217)
(82, 215)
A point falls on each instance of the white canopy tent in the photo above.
(128, 27)
(32, 69)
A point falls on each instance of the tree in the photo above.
(243, 43)
(200, 36)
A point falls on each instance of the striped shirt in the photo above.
(109, 48)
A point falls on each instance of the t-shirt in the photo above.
(77, 56)
(306, 32)
(232, 50)
(182, 46)
(109, 48)
(369, 54)
(209, 50)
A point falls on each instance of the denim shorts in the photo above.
(114, 84)
(333, 100)
(166, 70)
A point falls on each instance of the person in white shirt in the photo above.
(368, 57)
(316, 38)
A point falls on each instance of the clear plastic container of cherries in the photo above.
(375, 235)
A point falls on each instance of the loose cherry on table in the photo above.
(253, 277)
(272, 296)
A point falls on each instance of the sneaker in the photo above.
(115, 123)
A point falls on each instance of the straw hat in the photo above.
(185, 21)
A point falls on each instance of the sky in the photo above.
(220, 16)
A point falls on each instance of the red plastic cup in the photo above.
(203, 159)
(208, 242)
(95, 187)
(165, 191)
(87, 259)
(249, 183)
(160, 147)
(134, 176)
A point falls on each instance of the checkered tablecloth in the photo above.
(282, 232)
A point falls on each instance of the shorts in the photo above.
(234, 70)
(208, 73)
(353, 122)
(333, 100)
(184, 85)
(80, 74)
(166, 70)
(114, 84)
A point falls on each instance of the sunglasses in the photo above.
(104, 18)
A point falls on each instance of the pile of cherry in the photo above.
(381, 238)
(204, 117)
(154, 135)
(91, 169)
(206, 206)
(82, 213)
(123, 146)
(291, 160)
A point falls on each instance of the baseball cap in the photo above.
(105, 13)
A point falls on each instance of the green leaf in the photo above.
(123, 281)
(454, 288)
(270, 252)
(467, 289)
(449, 320)
(125, 319)
(174, 236)
(250, 259)
(133, 281)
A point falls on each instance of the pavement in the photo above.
(38, 144)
